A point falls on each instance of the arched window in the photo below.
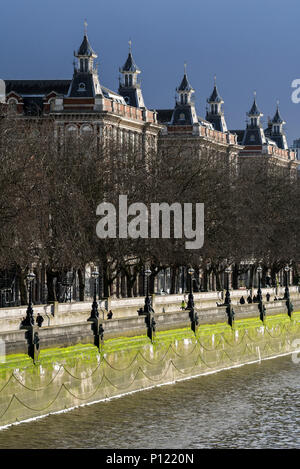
(86, 129)
(81, 87)
(12, 105)
(185, 98)
(130, 80)
(126, 80)
(72, 129)
(52, 104)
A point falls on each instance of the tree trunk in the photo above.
(81, 279)
(235, 277)
(50, 286)
(22, 286)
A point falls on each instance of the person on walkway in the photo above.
(109, 314)
(39, 320)
(242, 300)
(268, 296)
(183, 305)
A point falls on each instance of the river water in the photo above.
(253, 406)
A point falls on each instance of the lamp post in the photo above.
(227, 296)
(148, 311)
(97, 326)
(286, 291)
(227, 302)
(29, 320)
(289, 304)
(191, 306)
(94, 312)
(261, 306)
(259, 293)
(147, 307)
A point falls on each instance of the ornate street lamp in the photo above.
(147, 274)
(261, 306)
(148, 311)
(191, 306)
(289, 304)
(227, 296)
(227, 302)
(94, 312)
(97, 326)
(259, 293)
(29, 320)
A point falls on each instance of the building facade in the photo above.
(82, 105)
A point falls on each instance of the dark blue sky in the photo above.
(251, 45)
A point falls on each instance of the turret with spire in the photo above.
(254, 134)
(215, 114)
(184, 112)
(276, 132)
(85, 82)
(129, 86)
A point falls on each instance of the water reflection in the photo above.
(255, 406)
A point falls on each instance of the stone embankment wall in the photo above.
(76, 313)
(64, 335)
(66, 378)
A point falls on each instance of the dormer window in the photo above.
(182, 116)
(81, 87)
(52, 104)
(12, 105)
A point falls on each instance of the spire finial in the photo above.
(277, 102)
(185, 68)
(254, 94)
(130, 43)
(85, 27)
(215, 80)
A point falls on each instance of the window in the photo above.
(126, 80)
(86, 129)
(72, 129)
(182, 116)
(130, 80)
(81, 87)
(12, 105)
(52, 104)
